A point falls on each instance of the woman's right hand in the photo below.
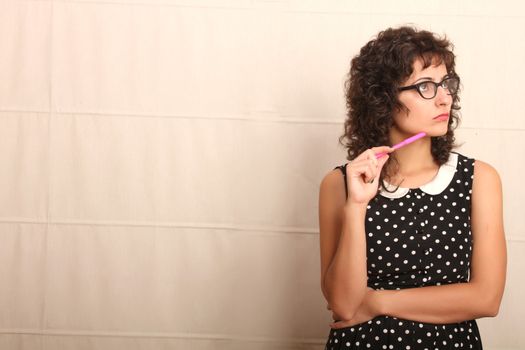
(363, 173)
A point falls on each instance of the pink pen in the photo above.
(403, 143)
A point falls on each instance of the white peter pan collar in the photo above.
(438, 184)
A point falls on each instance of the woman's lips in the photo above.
(442, 117)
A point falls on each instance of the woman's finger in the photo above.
(365, 154)
(381, 163)
(358, 169)
(366, 170)
(371, 152)
(363, 164)
(380, 149)
(368, 174)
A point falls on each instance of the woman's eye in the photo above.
(424, 86)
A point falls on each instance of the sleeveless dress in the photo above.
(415, 238)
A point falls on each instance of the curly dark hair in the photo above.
(371, 91)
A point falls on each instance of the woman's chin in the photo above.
(434, 132)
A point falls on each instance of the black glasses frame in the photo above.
(436, 85)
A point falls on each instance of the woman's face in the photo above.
(420, 114)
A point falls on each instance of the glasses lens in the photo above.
(451, 85)
(427, 89)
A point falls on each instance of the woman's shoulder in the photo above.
(336, 174)
(485, 177)
(333, 183)
(480, 168)
(484, 172)
(334, 178)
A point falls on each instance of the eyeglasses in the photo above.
(428, 89)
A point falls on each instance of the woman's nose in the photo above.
(443, 97)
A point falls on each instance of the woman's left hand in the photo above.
(367, 310)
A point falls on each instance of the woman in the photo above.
(412, 244)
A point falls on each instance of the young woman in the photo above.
(412, 243)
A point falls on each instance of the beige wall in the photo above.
(160, 163)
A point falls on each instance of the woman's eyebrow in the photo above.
(423, 78)
(429, 78)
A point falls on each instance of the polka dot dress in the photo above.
(415, 238)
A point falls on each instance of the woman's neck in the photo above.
(415, 160)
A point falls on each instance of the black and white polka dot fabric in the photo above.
(415, 238)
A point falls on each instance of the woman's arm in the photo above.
(481, 296)
(342, 230)
(343, 247)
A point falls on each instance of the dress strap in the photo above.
(343, 170)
